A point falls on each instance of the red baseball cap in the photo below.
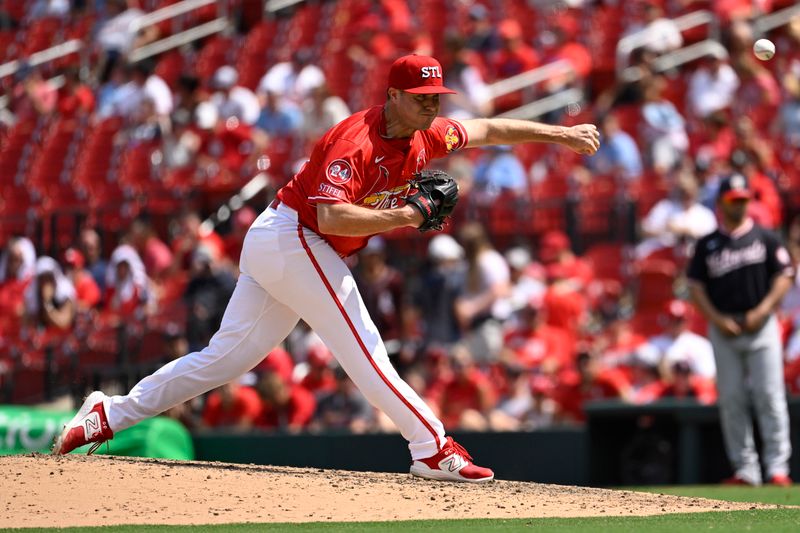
(735, 187)
(417, 74)
(74, 258)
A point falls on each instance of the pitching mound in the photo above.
(45, 491)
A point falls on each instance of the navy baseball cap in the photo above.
(734, 187)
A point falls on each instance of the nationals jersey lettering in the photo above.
(726, 260)
(353, 163)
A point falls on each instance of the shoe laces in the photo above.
(459, 449)
(93, 448)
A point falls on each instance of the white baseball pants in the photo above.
(287, 273)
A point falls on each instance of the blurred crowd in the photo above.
(501, 334)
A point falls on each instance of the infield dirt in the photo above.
(45, 491)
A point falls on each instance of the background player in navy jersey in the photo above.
(739, 275)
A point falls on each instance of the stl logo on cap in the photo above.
(417, 74)
(339, 172)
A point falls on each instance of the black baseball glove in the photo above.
(435, 194)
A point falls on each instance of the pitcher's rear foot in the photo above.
(89, 425)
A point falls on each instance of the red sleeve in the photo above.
(444, 136)
(340, 173)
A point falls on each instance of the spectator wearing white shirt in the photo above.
(142, 84)
(677, 221)
(321, 111)
(663, 34)
(712, 87)
(116, 37)
(116, 34)
(233, 100)
(294, 79)
(526, 277)
(678, 344)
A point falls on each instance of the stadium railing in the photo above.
(641, 38)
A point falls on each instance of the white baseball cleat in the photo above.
(89, 425)
(452, 463)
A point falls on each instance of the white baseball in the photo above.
(764, 49)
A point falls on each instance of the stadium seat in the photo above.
(609, 261)
(655, 279)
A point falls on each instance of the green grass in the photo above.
(766, 494)
(768, 521)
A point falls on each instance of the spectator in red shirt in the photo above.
(534, 344)
(618, 344)
(232, 406)
(74, 97)
(514, 57)
(566, 304)
(468, 398)
(372, 44)
(585, 382)
(287, 407)
(87, 292)
(241, 222)
(555, 248)
(565, 47)
(155, 254)
(320, 376)
(645, 382)
(685, 384)
(278, 361)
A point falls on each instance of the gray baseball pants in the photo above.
(752, 364)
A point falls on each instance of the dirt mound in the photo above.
(45, 491)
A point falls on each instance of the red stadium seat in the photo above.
(609, 261)
(655, 280)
